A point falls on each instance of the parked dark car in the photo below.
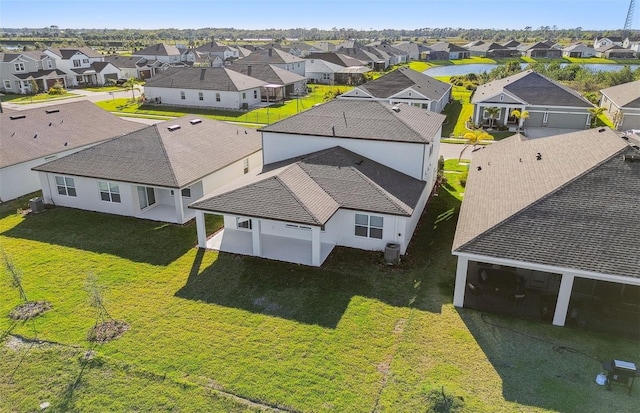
(497, 281)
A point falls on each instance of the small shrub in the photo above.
(29, 310)
(463, 178)
(57, 89)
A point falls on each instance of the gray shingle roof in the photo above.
(310, 190)
(336, 58)
(130, 62)
(268, 73)
(570, 209)
(626, 95)
(398, 80)
(157, 156)
(270, 56)
(159, 49)
(210, 78)
(68, 53)
(40, 74)
(358, 119)
(532, 88)
(65, 127)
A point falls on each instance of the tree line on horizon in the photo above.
(130, 38)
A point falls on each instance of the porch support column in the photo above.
(202, 230)
(315, 246)
(177, 198)
(564, 295)
(255, 237)
(506, 116)
(476, 118)
(461, 281)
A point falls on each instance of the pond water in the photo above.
(456, 70)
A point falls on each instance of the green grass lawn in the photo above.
(264, 116)
(41, 97)
(223, 333)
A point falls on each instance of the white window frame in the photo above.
(66, 186)
(77, 63)
(19, 66)
(255, 94)
(244, 95)
(372, 229)
(245, 165)
(109, 192)
(143, 195)
(200, 96)
(49, 64)
(295, 226)
(85, 60)
(183, 95)
(217, 97)
(7, 84)
(186, 192)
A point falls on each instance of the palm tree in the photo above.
(130, 84)
(492, 111)
(521, 116)
(595, 112)
(474, 138)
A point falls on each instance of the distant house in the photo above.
(136, 67)
(378, 62)
(280, 84)
(347, 173)
(325, 46)
(398, 56)
(413, 50)
(546, 50)
(276, 57)
(511, 44)
(161, 52)
(490, 49)
(629, 44)
(615, 52)
(83, 66)
(334, 68)
(155, 172)
(18, 70)
(300, 49)
(622, 103)
(213, 87)
(549, 103)
(551, 221)
(599, 43)
(225, 52)
(447, 51)
(404, 85)
(578, 50)
(31, 137)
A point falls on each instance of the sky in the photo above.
(321, 14)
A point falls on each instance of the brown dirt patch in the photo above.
(29, 310)
(107, 331)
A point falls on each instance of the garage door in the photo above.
(534, 120)
(111, 76)
(567, 121)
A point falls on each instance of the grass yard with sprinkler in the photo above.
(217, 332)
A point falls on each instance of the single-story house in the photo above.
(31, 137)
(276, 57)
(623, 105)
(546, 50)
(155, 172)
(281, 84)
(321, 71)
(615, 52)
(405, 85)
(447, 51)
(578, 50)
(346, 173)
(552, 221)
(211, 87)
(607, 41)
(549, 103)
(161, 52)
(136, 67)
(490, 49)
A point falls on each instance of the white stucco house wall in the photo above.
(32, 137)
(211, 87)
(344, 173)
(404, 85)
(555, 213)
(155, 172)
(79, 64)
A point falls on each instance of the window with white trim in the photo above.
(243, 223)
(369, 226)
(66, 186)
(19, 66)
(109, 191)
(217, 97)
(146, 196)
(255, 94)
(186, 192)
(49, 64)
(77, 63)
(244, 95)
(182, 95)
(245, 165)
(85, 60)
(200, 96)
(7, 84)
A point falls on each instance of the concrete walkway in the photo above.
(82, 95)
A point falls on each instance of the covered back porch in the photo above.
(248, 238)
